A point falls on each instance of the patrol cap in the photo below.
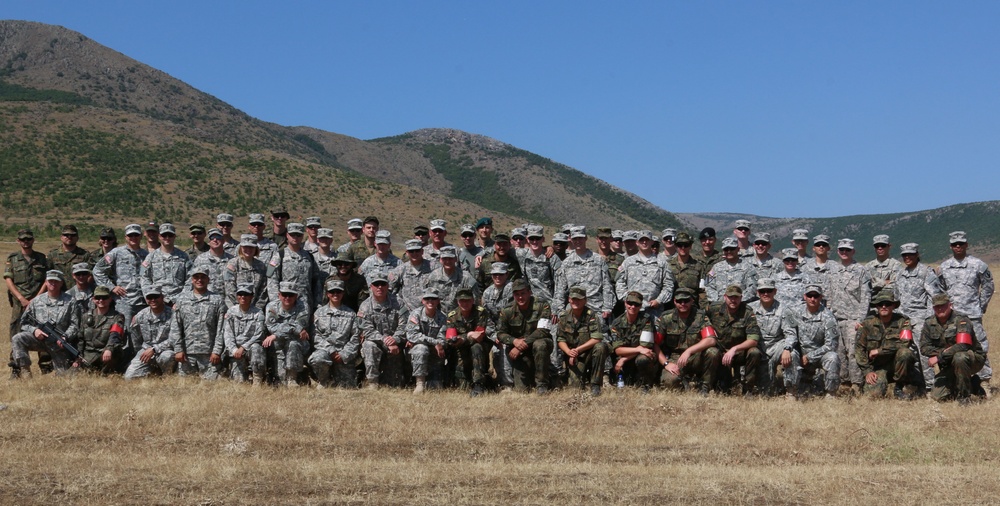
(880, 239)
(152, 226)
(414, 244)
(560, 237)
(312, 221)
(355, 224)
(448, 252)
(730, 243)
(578, 231)
(468, 229)
(439, 225)
(377, 277)
(734, 290)
(82, 267)
(940, 299)
(430, 293)
(133, 228)
(153, 289)
(910, 248)
(536, 231)
(484, 221)
(296, 228)
(765, 284)
(383, 237)
(821, 239)
(957, 237)
(277, 210)
(645, 234)
(762, 237)
(631, 235)
(70, 229)
(616, 235)
(168, 228)
(102, 291)
(845, 243)
(577, 292)
(25, 233)
(343, 259)
(519, 232)
(604, 232)
(54, 274)
(464, 294)
(567, 227)
(684, 294)
(814, 289)
(248, 240)
(498, 268)
(669, 233)
(501, 237)
(224, 218)
(790, 254)
(655, 238)
(244, 289)
(196, 227)
(324, 233)
(683, 238)
(257, 218)
(743, 224)
(634, 297)
(107, 233)
(287, 287)
(199, 269)
(800, 234)
(333, 284)
(417, 230)
(520, 284)
(371, 219)
(706, 233)
(214, 232)
(885, 296)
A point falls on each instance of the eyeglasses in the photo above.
(279, 216)
(682, 301)
(881, 246)
(844, 250)
(288, 295)
(633, 304)
(196, 232)
(101, 297)
(813, 296)
(743, 229)
(380, 284)
(420, 234)
(763, 291)
(886, 304)
(69, 235)
(154, 296)
(167, 235)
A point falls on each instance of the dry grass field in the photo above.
(170, 440)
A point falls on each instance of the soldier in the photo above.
(519, 238)
(469, 250)
(198, 246)
(614, 260)
(707, 255)
(811, 346)
(469, 337)
(448, 279)
(243, 337)
(119, 272)
(917, 284)
(286, 327)
(647, 274)
(616, 241)
(107, 240)
(150, 334)
(337, 340)
(195, 327)
(669, 238)
(630, 241)
(498, 295)
(732, 270)
(421, 233)
(383, 261)
(742, 234)
(953, 351)
(560, 246)
(312, 235)
(484, 232)
(152, 234)
(365, 247)
(216, 259)
(354, 228)
(383, 330)
(771, 316)
(581, 341)
(407, 280)
(884, 269)
(168, 266)
(969, 284)
(820, 268)
(499, 253)
(584, 268)
(68, 253)
(738, 339)
(883, 349)
(102, 335)
(686, 345)
(296, 266)
(324, 254)
(355, 285)
(266, 248)
(849, 298)
(83, 288)
(791, 283)
(246, 269)
(632, 341)
(53, 307)
(538, 268)
(524, 328)
(685, 269)
(425, 334)
(762, 261)
(800, 240)
(224, 221)
(279, 230)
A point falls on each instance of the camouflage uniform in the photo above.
(374, 264)
(791, 287)
(83, 298)
(63, 260)
(649, 276)
(289, 349)
(337, 330)
(724, 274)
(916, 287)
(677, 335)
(815, 336)
(540, 273)
(194, 330)
(686, 274)
(121, 267)
(471, 359)
(28, 275)
(956, 363)
(884, 274)
(821, 274)
(849, 293)
(494, 300)
(216, 268)
(407, 283)
(575, 332)
(732, 330)
(424, 333)
(196, 251)
(614, 261)
(170, 270)
(533, 325)
(239, 272)
(266, 250)
(769, 267)
(151, 330)
(100, 333)
(969, 283)
(358, 251)
(62, 313)
(590, 272)
(894, 353)
(774, 339)
(300, 269)
(513, 268)
(244, 329)
(448, 286)
(378, 320)
(641, 369)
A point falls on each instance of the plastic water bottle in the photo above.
(621, 381)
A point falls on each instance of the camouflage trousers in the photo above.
(895, 368)
(639, 370)
(162, 363)
(925, 369)
(195, 364)
(823, 375)
(23, 342)
(467, 363)
(987, 371)
(849, 370)
(767, 372)
(426, 362)
(93, 358)
(502, 367)
(588, 368)
(379, 363)
(328, 372)
(290, 357)
(954, 377)
(531, 367)
(253, 362)
(701, 367)
(747, 360)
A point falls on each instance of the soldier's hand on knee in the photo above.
(514, 353)
(269, 340)
(146, 355)
(440, 350)
(238, 354)
(786, 358)
(41, 336)
(180, 356)
(214, 359)
(871, 378)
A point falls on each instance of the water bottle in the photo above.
(621, 381)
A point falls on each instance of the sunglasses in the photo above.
(101, 297)
(633, 304)
(682, 301)
(812, 296)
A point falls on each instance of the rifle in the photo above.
(56, 334)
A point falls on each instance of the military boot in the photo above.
(421, 383)
(477, 390)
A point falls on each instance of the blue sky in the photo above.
(787, 109)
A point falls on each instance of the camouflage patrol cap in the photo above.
(324, 233)
(295, 228)
(25, 233)
(151, 225)
(762, 237)
(670, 233)
(278, 210)
(800, 234)
(520, 284)
(765, 284)
(383, 237)
(468, 229)
(790, 254)
(560, 237)
(501, 237)
(70, 229)
(257, 218)
(957, 237)
(633, 297)
(706, 233)
(224, 218)
(196, 227)
(377, 277)
(577, 292)
(940, 299)
(287, 287)
(199, 269)
(845, 243)
(333, 284)
(355, 224)
(464, 294)
(153, 289)
(655, 239)
(313, 221)
(439, 225)
(880, 239)
(730, 243)
(578, 231)
(343, 259)
(536, 231)
(885, 296)
(742, 224)
(133, 229)
(448, 252)
(430, 293)
(567, 227)
(821, 239)
(168, 228)
(248, 240)
(817, 289)
(519, 232)
(107, 233)
(616, 235)
(413, 245)
(683, 238)
(734, 290)
(371, 219)
(484, 221)
(420, 228)
(684, 294)
(498, 268)
(102, 291)
(54, 275)
(214, 232)
(244, 289)
(82, 267)
(604, 232)
(910, 248)
(645, 234)
(630, 235)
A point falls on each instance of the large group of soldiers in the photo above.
(281, 304)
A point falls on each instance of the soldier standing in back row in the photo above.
(884, 269)
(119, 271)
(69, 253)
(168, 266)
(849, 296)
(24, 274)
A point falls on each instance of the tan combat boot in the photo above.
(420, 385)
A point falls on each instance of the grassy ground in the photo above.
(172, 440)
